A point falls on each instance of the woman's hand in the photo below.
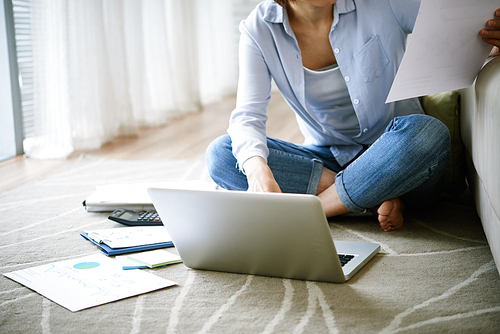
(492, 35)
(259, 176)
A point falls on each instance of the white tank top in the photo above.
(327, 94)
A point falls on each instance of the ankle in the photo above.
(326, 181)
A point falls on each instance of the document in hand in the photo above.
(445, 51)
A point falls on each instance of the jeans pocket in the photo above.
(371, 60)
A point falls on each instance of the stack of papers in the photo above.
(124, 240)
(134, 196)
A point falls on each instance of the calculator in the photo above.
(135, 218)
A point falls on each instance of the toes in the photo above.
(386, 208)
(390, 216)
(386, 227)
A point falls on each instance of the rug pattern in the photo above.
(435, 275)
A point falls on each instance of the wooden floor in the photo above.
(183, 138)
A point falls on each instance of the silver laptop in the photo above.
(280, 235)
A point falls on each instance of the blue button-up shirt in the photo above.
(368, 39)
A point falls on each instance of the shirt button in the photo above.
(365, 130)
(347, 78)
(356, 101)
(336, 50)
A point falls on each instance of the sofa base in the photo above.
(489, 219)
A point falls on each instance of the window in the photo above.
(17, 107)
(21, 11)
(10, 106)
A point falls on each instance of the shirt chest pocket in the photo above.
(371, 59)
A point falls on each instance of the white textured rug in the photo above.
(435, 275)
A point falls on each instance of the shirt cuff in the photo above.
(240, 165)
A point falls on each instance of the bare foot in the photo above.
(390, 214)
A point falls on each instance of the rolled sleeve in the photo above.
(247, 126)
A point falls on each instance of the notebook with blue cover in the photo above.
(117, 251)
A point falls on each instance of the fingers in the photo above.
(263, 183)
(259, 176)
(270, 186)
(492, 35)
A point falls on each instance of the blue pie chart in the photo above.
(86, 265)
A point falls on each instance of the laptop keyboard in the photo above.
(344, 258)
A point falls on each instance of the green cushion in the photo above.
(446, 107)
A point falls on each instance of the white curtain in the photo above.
(104, 67)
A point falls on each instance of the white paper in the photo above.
(155, 258)
(136, 193)
(445, 51)
(122, 237)
(87, 281)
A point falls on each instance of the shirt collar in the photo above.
(274, 13)
(345, 6)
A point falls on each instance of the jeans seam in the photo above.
(293, 155)
(314, 178)
(440, 159)
(344, 196)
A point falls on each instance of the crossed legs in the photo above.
(406, 162)
(389, 213)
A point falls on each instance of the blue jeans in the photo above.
(407, 161)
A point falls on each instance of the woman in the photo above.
(334, 63)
